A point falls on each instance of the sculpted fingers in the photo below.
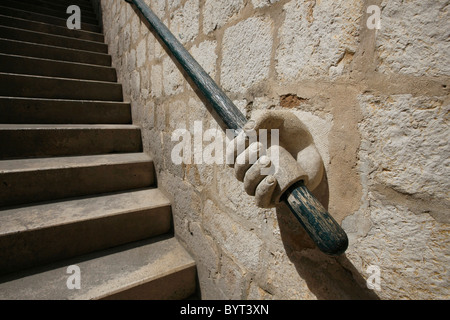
(264, 192)
(254, 175)
(246, 159)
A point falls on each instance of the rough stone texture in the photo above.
(404, 147)
(246, 54)
(205, 54)
(405, 144)
(184, 22)
(316, 36)
(376, 103)
(263, 3)
(414, 37)
(217, 13)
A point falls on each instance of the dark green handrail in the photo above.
(326, 233)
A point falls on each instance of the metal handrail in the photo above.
(326, 233)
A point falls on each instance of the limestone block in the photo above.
(217, 13)
(173, 80)
(135, 85)
(158, 7)
(247, 49)
(135, 27)
(131, 60)
(413, 38)
(141, 53)
(156, 81)
(238, 241)
(410, 249)
(173, 4)
(205, 54)
(232, 280)
(263, 3)
(316, 36)
(405, 143)
(184, 22)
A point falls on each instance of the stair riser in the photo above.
(71, 142)
(53, 53)
(51, 68)
(57, 5)
(55, 88)
(43, 185)
(23, 111)
(175, 286)
(44, 18)
(48, 28)
(52, 40)
(32, 248)
(59, 12)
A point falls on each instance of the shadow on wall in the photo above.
(329, 278)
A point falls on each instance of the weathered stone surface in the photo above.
(316, 36)
(263, 3)
(405, 143)
(184, 22)
(141, 53)
(239, 242)
(413, 38)
(205, 54)
(158, 7)
(173, 81)
(217, 13)
(156, 81)
(246, 54)
(411, 251)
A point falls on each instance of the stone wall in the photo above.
(376, 102)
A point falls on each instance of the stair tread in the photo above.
(33, 164)
(62, 62)
(50, 28)
(64, 100)
(62, 21)
(54, 39)
(58, 78)
(104, 273)
(54, 11)
(29, 49)
(68, 126)
(40, 216)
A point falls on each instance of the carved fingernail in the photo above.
(255, 147)
(270, 180)
(264, 161)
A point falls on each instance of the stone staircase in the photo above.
(75, 186)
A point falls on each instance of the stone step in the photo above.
(81, 3)
(87, 15)
(158, 269)
(37, 17)
(49, 28)
(28, 49)
(58, 5)
(52, 111)
(28, 86)
(50, 140)
(52, 40)
(53, 68)
(80, 226)
(44, 179)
